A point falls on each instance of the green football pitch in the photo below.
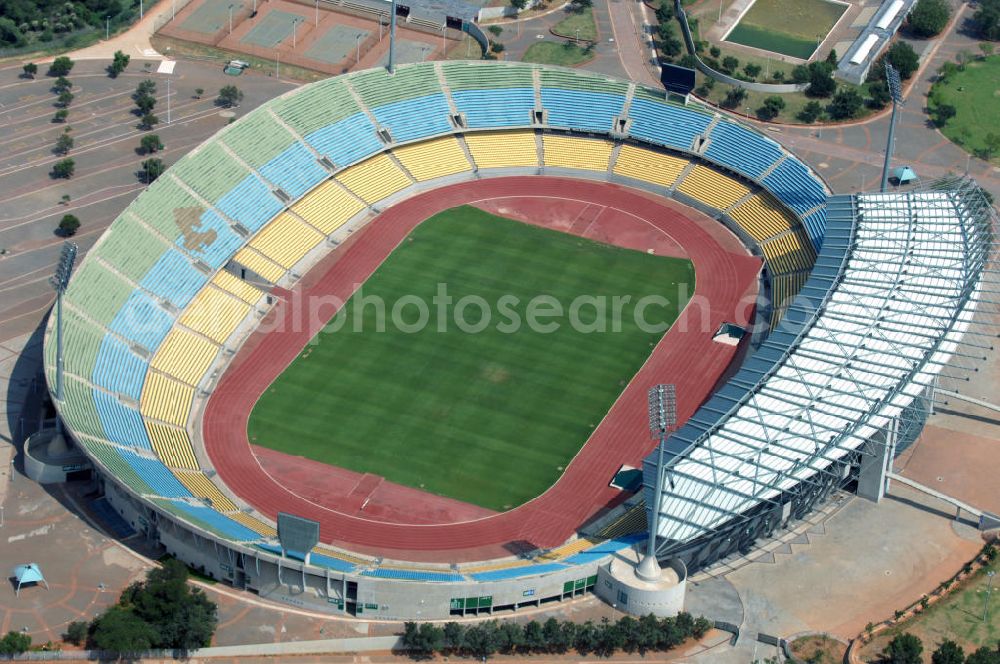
(790, 27)
(489, 417)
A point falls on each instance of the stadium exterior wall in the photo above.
(319, 589)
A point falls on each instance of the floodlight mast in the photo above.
(392, 38)
(896, 92)
(59, 281)
(662, 421)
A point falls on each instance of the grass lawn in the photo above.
(490, 418)
(819, 649)
(791, 27)
(975, 94)
(557, 53)
(959, 617)
(582, 21)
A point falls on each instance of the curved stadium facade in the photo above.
(160, 303)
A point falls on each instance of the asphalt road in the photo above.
(107, 161)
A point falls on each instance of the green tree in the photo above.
(198, 92)
(10, 34)
(229, 96)
(61, 66)
(948, 652)
(510, 637)
(145, 103)
(148, 121)
(146, 86)
(495, 30)
(534, 638)
(751, 70)
(30, 69)
(987, 19)
(904, 648)
(64, 143)
(943, 113)
(985, 47)
(992, 146)
(63, 168)
(878, 94)
(734, 97)
(821, 83)
(801, 74)
(715, 51)
(831, 58)
(903, 58)
(118, 64)
(730, 64)
(846, 104)
(772, 106)
(65, 98)
(519, 5)
(62, 84)
(76, 632)
(68, 225)
(983, 655)
(150, 143)
(14, 643)
(120, 630)
(811, 112)
(60, 115)
(152, 169)
(929, 17)
(452, 634)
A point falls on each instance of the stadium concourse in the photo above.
(158, 309)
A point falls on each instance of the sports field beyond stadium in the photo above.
(486, 408)
(789, 27)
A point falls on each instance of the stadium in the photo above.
(803, 358)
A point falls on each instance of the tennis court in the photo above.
(336, 44)
(212, 16)
(408, 51)
(273, 29)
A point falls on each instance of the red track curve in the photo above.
(685, 355)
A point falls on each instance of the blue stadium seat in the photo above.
(411, 119)
(741, 149)
(156, 475)
(250, 202)
(118, 526)
(604, 549)
(816, 227)
(142, 320)
(792, 184)
(412, 575)
(516, 572)
(174, 278)
(216, 252)
(317, 559)
(119, 369)
(347, 141)
(510, 107)
(574, 109)
(218, 522)
(295, 170)
(666, 124)
(123, 425)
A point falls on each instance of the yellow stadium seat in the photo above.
(241, 289)
(254, 524)
(172, 445)
(214, 313)
(433, 159)
(712, 188)
(328, 207)
(566, 550)
(649, 166)
(262, 266)
(582, 153)
(185, 356)
(503, 149)
(374, 179)
(285, 240)
(164, 398)
(762, 217)
(199, 485)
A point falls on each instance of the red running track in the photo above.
(724, 291)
